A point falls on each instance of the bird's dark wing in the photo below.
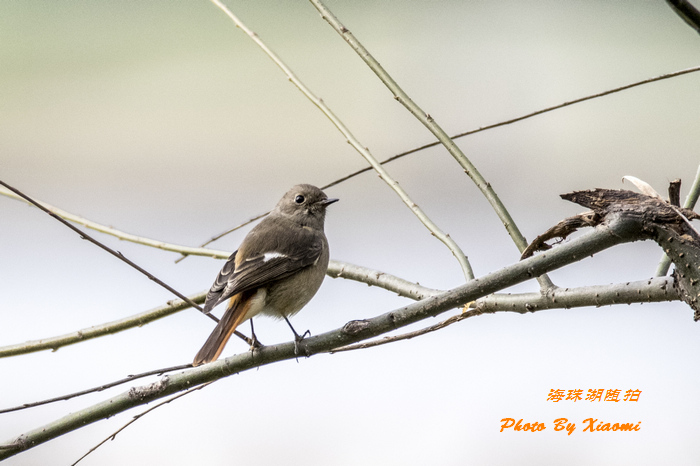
(220, 283)
(263, 269)
(275, 261)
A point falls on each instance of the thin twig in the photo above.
(108, 328)
(120, 234)
(139, 416)
(230, 230)
(432, 125)
(118, 255)
(687, 12)
(690, 201)
(355, 143)
(96, 389)
(383, 280)
(104, 247)
(404, 336)
(571, 102)
(467, 133)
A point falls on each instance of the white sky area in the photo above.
(164, 120)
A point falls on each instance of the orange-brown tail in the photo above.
(236, 311)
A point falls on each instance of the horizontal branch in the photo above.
(108, 328)
(616, 231)
(121, 234)
(645, 291)
(99, 388)
(335, 270)
(383, 280)
(139, 416)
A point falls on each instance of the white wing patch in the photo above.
(272, 255)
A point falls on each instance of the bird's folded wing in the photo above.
(260, 270)
(220, 283)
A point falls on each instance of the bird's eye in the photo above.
(299, 199)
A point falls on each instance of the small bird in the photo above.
(277, 269)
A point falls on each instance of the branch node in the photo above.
(148, 391)
(355, 327)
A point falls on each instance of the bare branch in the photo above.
(139, 416)
(357, 145)
(474, 131)
(383, 280)
(646, 291)
(687, 12)
(430, 123)
(119, 256)
(108, 328)
(96, 389)
(104, 247)
(230, 230)
(690, 201)
(341, 270)
(55, 211)
(570, 102)
(335, 270)
(616, 231)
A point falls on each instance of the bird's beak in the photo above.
(327, 202)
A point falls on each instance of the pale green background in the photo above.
(162, 119)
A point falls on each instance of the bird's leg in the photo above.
(253, 340)
(297, 338)
(246, 339)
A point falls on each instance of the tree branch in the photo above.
(335, 270)
(656, 289)
(111, 251)
(383, 280)
(467, 133)
(139, 416)
(615, 231)
(652, 290)
(645, 291)
(108, 328)
(690, 201)
(687, 12)
(357, 145)
(120, 234)
(430, 123)
(96, 389)
(230, 230)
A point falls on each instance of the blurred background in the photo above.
(162, 119)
